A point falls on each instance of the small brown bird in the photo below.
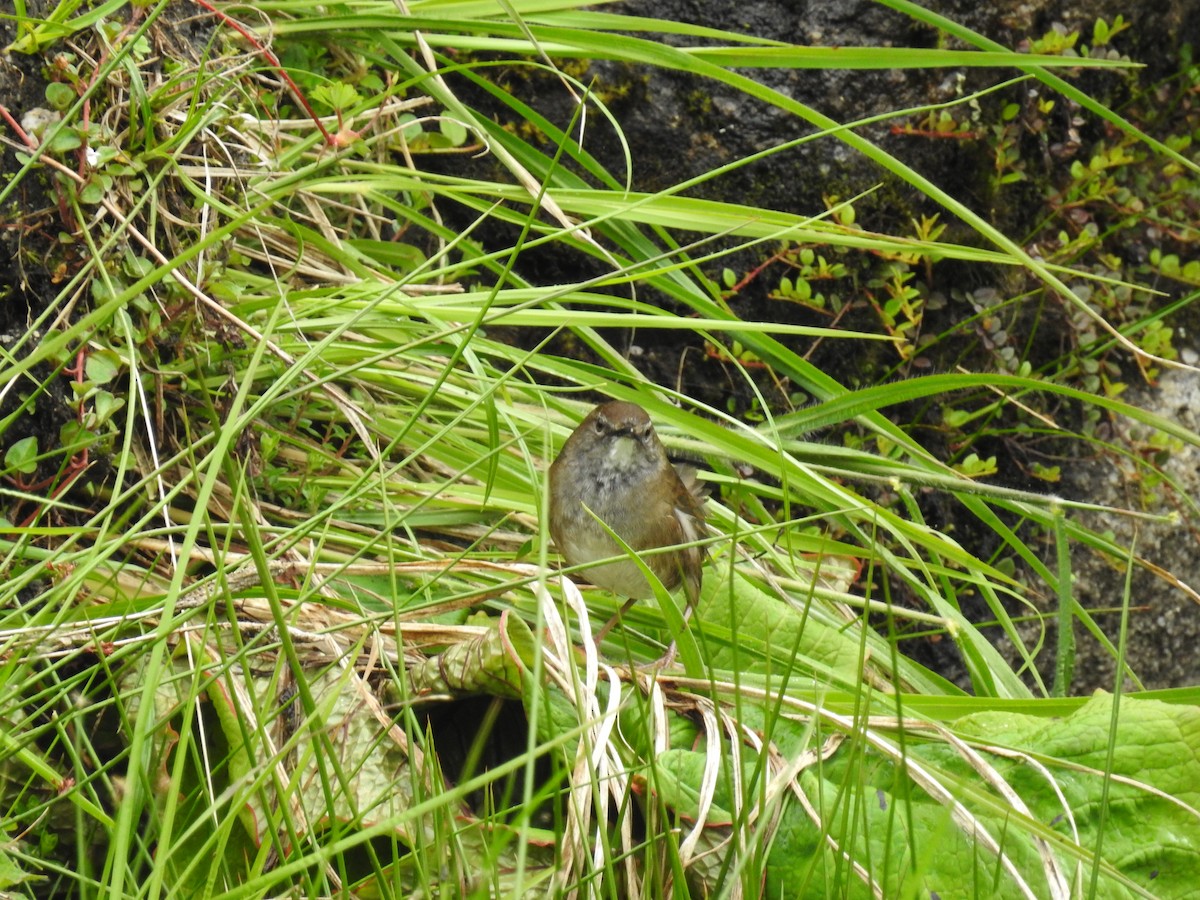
(614, 465)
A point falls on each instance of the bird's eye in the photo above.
(599, 426)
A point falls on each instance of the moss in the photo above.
(698, 103)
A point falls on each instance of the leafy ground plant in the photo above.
(277, 613)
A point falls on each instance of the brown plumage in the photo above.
(614, 465)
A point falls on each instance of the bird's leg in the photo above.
(614, 620)
(668, 659)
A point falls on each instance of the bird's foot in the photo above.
(663, 662)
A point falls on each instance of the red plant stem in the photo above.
(755, 272)
(20, 132)
(274, 61)
(78, 371)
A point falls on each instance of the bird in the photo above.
(614, 467)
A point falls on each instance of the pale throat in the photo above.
(625, 453)
(626, 460)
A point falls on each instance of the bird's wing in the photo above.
(689, 513)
